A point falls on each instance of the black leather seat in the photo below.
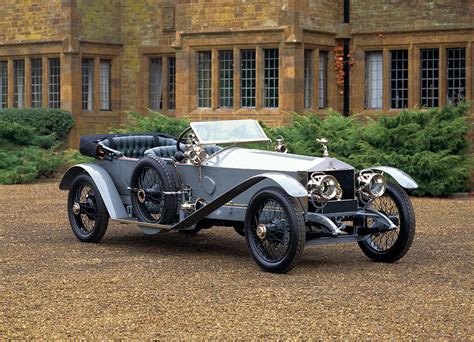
(134, 146)
(169, 151)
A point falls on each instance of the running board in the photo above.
(143, 224)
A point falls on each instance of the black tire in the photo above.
(86, 210)
(276, 207)
(392, 245)
(239, 228)
(154, 176)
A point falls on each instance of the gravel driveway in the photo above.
(207, 286)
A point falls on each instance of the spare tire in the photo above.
(150, 179)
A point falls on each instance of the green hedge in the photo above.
(154, 122)
(28, 140)
(45, 121)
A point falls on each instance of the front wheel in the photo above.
(275, 230)
(86, 210)
(391, 245)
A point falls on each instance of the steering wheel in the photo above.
(181, 138)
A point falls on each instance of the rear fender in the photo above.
(401, 177)
(104, 183)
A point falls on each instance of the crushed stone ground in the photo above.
(207, 286)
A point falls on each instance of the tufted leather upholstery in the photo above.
(169, 151)
(133, 146)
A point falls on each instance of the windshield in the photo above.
(228, 131)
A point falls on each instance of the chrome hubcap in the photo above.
(141, 196)
(261, 231)
(76, 208)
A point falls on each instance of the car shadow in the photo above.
(231, 246)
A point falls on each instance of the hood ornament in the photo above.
(324, 144)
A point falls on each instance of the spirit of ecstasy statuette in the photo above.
(324, 143)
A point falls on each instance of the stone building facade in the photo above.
(226, 59)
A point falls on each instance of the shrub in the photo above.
(28, 138)
(44, 121)
(154, 122)
(16, 133)
(26, 164)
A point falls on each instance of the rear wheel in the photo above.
(391, 245)
(150, 179)
(275, 230)
(86, 210)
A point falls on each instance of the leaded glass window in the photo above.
(323, 79)
(88, 84)
(429, 77)
(456, 74)
(104, 85)
(54, 93)
(226, 79)
(36, 83)
(204, 79)
(19, 84)
(247, 78)
(156, 84)
(399, 79)
(374, 79)
(270, 79)
(3, 84)
(308, 78)
(171, 83)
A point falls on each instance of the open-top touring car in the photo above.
(279, 201)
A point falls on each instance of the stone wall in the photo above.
(99, 21)
(29, 20)
(402, 15)
(322, 15)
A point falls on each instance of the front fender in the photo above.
(104, 184)
(401, 177)
(287, 183)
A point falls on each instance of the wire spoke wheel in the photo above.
(273, 245)
(87, 212)
(391, 245)
(275, 230)
(85, 200)
(152, 205)
(385, 240)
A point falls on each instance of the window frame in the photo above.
(432, 101)
(401, 77)
(54, 83)
(105, 85)
(323, 79)
(271, 79)
(3, 84)
(16, 89)
(461, 79)
(204, 79)
(90, 84)
(246, 82)
(171, 82)
(226, 84)
(36, 75)
(308, 78)
(374, 85)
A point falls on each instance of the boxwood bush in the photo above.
(28, 142)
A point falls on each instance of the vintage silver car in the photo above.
(279, 201)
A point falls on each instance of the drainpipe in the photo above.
(346, 45)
